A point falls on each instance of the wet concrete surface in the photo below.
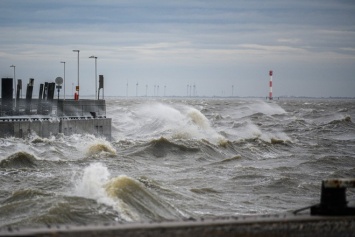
(251, 226)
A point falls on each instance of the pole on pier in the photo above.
(29, 91)
(101, 86)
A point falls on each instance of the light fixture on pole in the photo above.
(64, 79)
(59, 82)
(77, 87)
(95, 75)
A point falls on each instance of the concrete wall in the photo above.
(60, 108)
(44, 128)
(81, 107)
(100, 127)
(278, 226)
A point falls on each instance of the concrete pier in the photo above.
(59, 116)
(22, 127)
(252, 226)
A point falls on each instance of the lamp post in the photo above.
(14, 90)
(95, 75)
(64, 79)
(76, 50)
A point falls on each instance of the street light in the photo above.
(64, 79)
(95, 75)
(76, 50)
(14, 81)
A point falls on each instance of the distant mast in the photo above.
(270, 84)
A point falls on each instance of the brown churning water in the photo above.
(178, 158)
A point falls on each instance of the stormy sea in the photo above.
(176, 158)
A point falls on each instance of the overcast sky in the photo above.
(214, 45)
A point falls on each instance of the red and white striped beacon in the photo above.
(270, 93)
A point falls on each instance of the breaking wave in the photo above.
(36, 139)
(176, 122)
(198, 127)
(25, 194)
(19, 159)
(346, 119)
(131, 199)
(198, 118)
(162, 146)
(101, 147)
(139, 202)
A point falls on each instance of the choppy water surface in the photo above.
(180, 158)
